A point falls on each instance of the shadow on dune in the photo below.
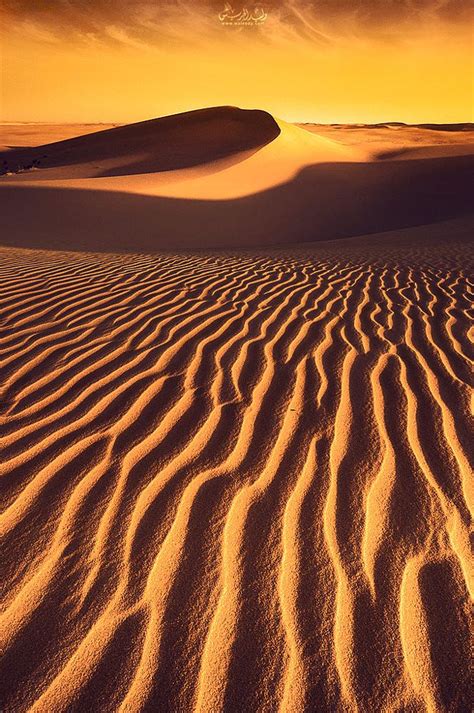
(322, 202)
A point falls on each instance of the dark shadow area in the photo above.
(463, 126)
(323, 202)
(447, 609)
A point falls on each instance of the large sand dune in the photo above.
(149, 146)
(238, 480)
(222, 178)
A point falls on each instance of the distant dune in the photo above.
(380, 138)
(462, 126)
(236, 479)
(15, 135)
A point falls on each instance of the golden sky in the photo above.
(322, 61)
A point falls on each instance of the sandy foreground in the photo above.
(236, 475)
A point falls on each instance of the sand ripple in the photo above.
(235, 481)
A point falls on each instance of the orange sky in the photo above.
(322, 62)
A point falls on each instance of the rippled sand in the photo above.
(236, 480)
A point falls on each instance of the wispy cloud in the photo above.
(141, 23)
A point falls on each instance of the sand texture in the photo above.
(241, 479)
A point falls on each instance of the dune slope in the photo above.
(162, 144)
(236, 481)
(324, 201)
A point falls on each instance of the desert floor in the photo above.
(237, 479)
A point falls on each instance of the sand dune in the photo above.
(237, 479)
(327, 200)
(161, 144)
(210, 154)
(223, 178)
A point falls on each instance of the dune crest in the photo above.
(209, 154)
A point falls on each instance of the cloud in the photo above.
(141, 23)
